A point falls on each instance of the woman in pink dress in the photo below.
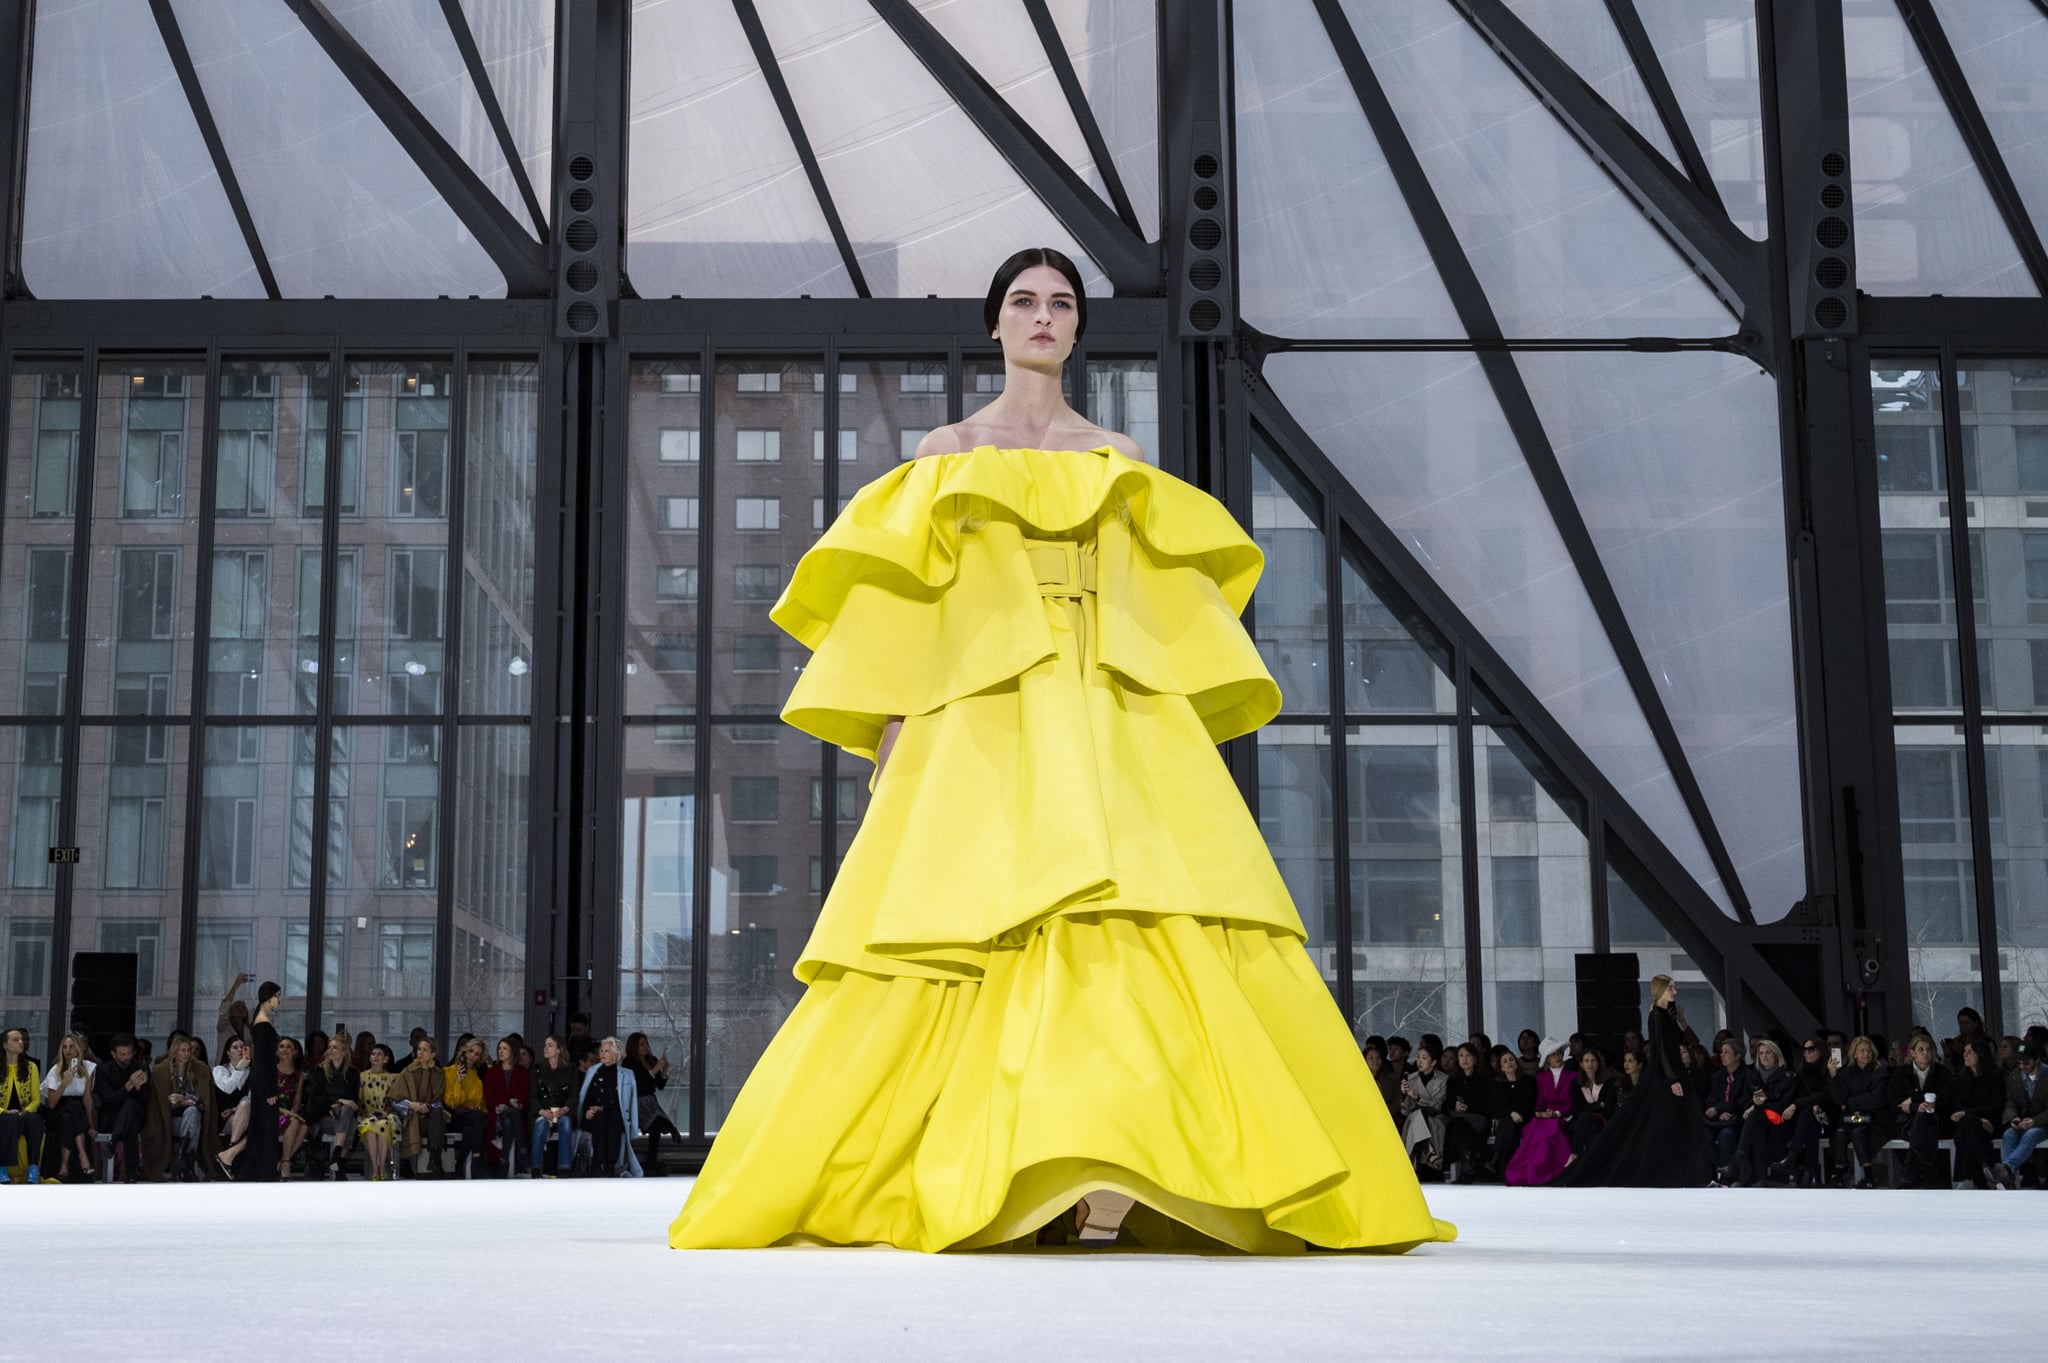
(1546, 1147)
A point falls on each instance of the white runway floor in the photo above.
(550, 1269)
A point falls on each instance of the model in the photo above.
(1058, 978)
(1656, 1139)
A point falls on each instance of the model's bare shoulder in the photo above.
(1124, 445)
(940, 440)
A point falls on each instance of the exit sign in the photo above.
(63, 856)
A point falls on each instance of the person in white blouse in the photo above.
(231, 1081)
(67, 1097)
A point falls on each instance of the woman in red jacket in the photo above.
(505, 1098)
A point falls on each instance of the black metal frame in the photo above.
(1210, 401)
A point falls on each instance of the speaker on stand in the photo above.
(102, 995)
(1609, 997)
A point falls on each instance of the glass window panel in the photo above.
(1535, 886)
(412, 44)
(1391, 663)
(882, 403)
(1633, 926)
(1708, 49)
(1295, 819)
(981, 382)
(28, 808)
(1114, 46)
(718, 204)
(384, 866)
(2004, 406)
(664, 402)
(1674, 464)
(1407, 882)
(2002, 46)
(1421, 437)
(1558, 246)
(502, 411)
(341, 208)
(656, 894)
(922, 193)
(391, 660)
(140, 602)
(121, 199)
(516, 39)
(766, 405)
(761, 904)
(1123, 395)
(493, 781)
(45, 416)
(1925, 222)
(1327, 246)
(1912, 501)
(1290, 606)
(1583, 34)
(126, 894)
(1934, 834)
(2016, 777)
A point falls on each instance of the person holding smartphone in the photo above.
(2026, 1114)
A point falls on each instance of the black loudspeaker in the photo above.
(102, 995)
(1202, 286)
(1609, 986)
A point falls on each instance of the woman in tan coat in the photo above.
(180, 1125)
(418, 1095)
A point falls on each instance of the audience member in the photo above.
(1727, 1099)
(1914, 1094)
(1398, 1051)
(1594, 1097)
(2026, 1115)
(1526, 1050)
(506, 1097)
(1422, 1110)
(1768, 1120)
(334, 1102)
(21, 1108)
(290, 1105)
(1468, 1112)
(67, 1099)
(608, 1102)
(650, 1076)
(179, 1129)
(412, 1049)
(1859, 1089)
(419, 1098)
(463, 1092)
(233, 1019)
(231, 1089)
(1969, 1027)
(1544, 1149)
(553, 1085)
(1631, 1075)
(120, 1088)
(1976, 1104)
(375, 1123)
(1813, 1113)
(1514, 1104)
(365, 1041)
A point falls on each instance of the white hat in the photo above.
(1546, 1046)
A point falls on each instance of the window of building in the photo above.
(757, 513)
(754, 875)
(849, 446)
(679, 444)
(675, 653)
(419, 474)
(1517, 902)
(678, 513)
(141, 936)
(844, 798)
(756, 799)
(757, 653)
(675, 584)
(756, 581)
(761, 381)
(28, 957)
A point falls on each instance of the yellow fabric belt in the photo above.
(1062, 567)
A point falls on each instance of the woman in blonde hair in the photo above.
(1655, 1139)
(67, 1095)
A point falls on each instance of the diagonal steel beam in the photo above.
(517, 254)
(1735, 267)
(209, 132)
(1940, 57)
(1077, 100)
(1650, 67)
(771, 71)
(1132, 265)
(17, 30)
(1703, 925)
(1519, 409)
(494, 112)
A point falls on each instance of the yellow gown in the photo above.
(1058, 956)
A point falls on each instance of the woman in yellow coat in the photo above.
(1058, 975)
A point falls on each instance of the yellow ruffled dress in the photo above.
(1058, 956)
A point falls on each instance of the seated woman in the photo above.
(1422, 1107)
(1768, 1120)
(650, 1077)
(375, 1123)
(1859, 1090)
(67, 1098)
(1976, 1103)
(553, 1084)
(463, 1093)
(291, 1098)
(1594, 1096)
(179, 1130)
(418, 1099)
(1514, 1104)
(1467, 1113)
(333, 1101)
(1544, 1149)
(1631, 1075)
(609, 1101)
(21, 1107)
(231, 1095)
(506, 1086)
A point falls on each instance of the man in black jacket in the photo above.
(120, 1101)
(2026, 1114)
(1915, 1095)
(1728, 1091)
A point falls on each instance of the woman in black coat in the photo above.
(1976, 1103)
(1655, 1139)
(1514, 1103)
(1595, 1096)
(1813, 1113)
(260, 1156)
(1914, 1096)
(1468, 1111)
(1859, 1089)
(1768, 1124)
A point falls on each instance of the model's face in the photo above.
(1038, 318)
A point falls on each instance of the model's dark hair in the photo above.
(1006, 275)
(267, 991)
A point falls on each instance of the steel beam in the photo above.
(1650, 67)
(1131, 263)
(1933, 43)
(1732, 265)
(1077, 100)
(209, 132)
(771, 71)
(517, 254)
(1519, 410)
(17, 50)
(494, 112)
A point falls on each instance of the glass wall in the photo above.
(261, 684)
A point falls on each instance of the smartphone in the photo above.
(1835, 1054)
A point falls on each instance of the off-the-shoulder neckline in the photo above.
(1033, 449)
